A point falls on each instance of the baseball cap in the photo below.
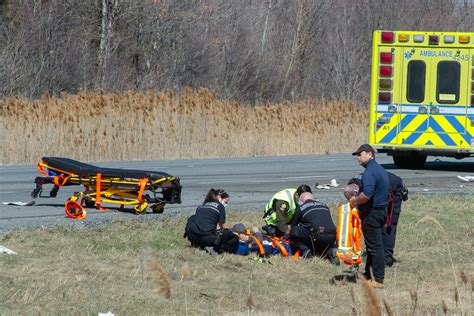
(364, 147)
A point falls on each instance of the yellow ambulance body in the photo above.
(422, 95)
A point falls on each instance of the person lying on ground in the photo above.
(255, 241)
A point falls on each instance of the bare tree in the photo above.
(252, 51)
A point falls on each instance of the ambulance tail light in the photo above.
(388, 37)
(386, 58)
(385, 84)
(386, 97)
(386, 71)
(472, 74)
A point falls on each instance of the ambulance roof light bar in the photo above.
(388, 37)
(433, 39)
(464, 39)
(418, 38)
(448, 39)
(403, 38)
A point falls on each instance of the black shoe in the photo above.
(211, 251)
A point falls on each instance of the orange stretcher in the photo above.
(107, 185)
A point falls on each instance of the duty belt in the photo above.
(315, 232)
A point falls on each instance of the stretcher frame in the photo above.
(125, 187)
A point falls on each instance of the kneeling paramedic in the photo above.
(280, 209)
(313, 231)
(205, 228)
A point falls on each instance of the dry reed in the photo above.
(463, 276)
(161, 276)
(427, 220)
(372, 302)
(389, 308)
(185, 272)
(444, 307)
(90, 126)
(414, 301)
(353, 306)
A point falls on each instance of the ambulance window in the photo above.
(416, 81)
(449, 73)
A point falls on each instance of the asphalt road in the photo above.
(250, 182)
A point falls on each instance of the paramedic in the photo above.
(312, 229)
(372, 203)
(280, 209)
(205, 228)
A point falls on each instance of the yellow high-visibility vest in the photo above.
(287, 195)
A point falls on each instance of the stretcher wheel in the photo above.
(158, 208)
(74, 210)
(140, 208)
(89, 203)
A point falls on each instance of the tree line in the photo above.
(253, 51)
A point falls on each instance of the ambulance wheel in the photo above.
(158, 208)
(410, 161)
(75, 210)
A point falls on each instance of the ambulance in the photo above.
(422, 95)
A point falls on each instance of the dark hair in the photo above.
(222, 193)
(303, 188)
(212, 195)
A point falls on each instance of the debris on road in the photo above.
(20, 203)
(7, 251)
(466, 178)
(327, 186)
(322, 186)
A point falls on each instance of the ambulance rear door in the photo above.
(449, 98)
(433, 111)
(415, 91)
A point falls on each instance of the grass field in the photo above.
(146, 267)
(91, 126)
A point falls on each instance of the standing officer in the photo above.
(280, 209)
(312, 229)
(372, 202)
(398, 194)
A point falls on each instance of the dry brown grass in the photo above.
(117, 267)
(131, 125)
(372, 300)
(162, 277)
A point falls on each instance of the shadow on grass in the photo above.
(343, 279)
(94, 210)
